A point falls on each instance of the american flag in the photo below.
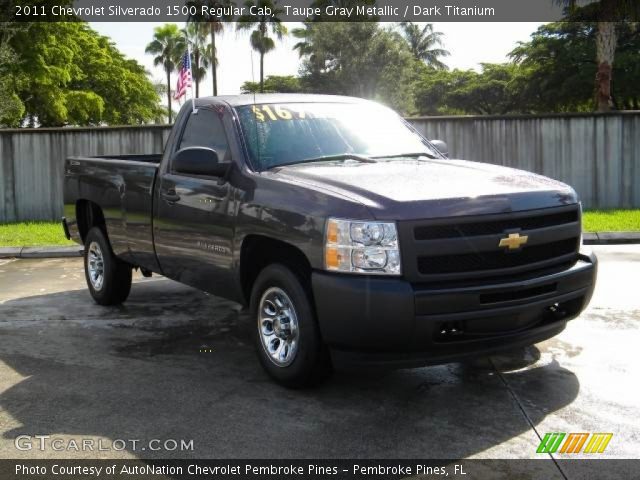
(184, 77)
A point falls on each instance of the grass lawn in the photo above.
(50, 233)
(32, 234)
(611, 221)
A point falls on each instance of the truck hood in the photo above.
(410, 189)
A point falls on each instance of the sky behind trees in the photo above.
(469, 44)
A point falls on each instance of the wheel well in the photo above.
(258, 251)
(89, 215)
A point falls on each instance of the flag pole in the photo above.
(193, 98)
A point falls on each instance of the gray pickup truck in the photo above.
(353, 239)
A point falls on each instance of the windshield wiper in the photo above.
(329, 158)
(409, 154)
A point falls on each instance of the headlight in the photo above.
(362, 247)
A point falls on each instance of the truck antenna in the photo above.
(193, 97)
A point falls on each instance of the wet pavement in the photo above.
(176, 364)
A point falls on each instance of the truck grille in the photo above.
(472, 262)
(468, 248)
(459, 229)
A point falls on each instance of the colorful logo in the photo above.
(573, 442)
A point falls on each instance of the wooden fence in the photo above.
(598, 154)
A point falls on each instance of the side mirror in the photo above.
(198, 161)
(441, 146)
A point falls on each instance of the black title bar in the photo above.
(316, 469)
(285, 10)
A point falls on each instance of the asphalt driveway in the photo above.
(177, 364)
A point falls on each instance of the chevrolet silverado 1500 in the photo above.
(353, 239)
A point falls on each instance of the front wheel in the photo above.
(287, 336)
(108, 278)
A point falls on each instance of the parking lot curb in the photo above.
(41, 252)
(588, 238)
(610, 238)
(10, 252)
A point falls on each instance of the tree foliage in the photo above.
(608, 16)
(215, 24)
(168, 46)
(11, 106)
(425, 44)
(553, 72)
(197, 36)
(357, 58)
(489, 92)
(264, 25)
(64, 73)
(274, 84)
(559, 66)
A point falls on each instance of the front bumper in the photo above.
(391, 322)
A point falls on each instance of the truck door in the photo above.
(193, 227)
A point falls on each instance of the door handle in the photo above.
(170, 196)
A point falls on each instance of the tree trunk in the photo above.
(263, 33)
(214, 77)
(168, 94)
(262, 71)
(606, 40)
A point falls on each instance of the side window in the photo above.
(205, 129)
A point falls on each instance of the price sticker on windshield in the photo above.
(277, 112)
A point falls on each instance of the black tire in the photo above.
(311, 362)
(116, 274)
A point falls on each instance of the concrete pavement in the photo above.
(175, 363)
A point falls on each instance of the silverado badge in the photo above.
(513, 241)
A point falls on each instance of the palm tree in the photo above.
(264, 24)
(303, 34)
(216, 25)
(606, 13)
(196, 35)
(422, 42)
(167, 46)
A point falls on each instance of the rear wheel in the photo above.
(108, 278)
(287, 336)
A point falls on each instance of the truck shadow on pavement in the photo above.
(175, 363)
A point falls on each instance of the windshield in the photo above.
(286, 133)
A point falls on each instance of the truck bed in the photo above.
(122, 185)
